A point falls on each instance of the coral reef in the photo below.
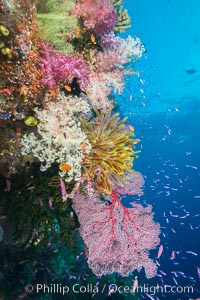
(20, 72)
(65, 155)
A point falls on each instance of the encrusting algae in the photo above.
(111, 155)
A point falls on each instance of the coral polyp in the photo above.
(112, 150)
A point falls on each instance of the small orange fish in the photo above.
(131, 127)
(68, 88)
(83, 146)
(52, 93)
(31, 53)
(93, 39)
(64, 166)
(46, 221)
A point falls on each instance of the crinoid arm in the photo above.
(112, 150)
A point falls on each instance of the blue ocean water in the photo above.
(164, 108)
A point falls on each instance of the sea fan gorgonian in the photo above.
(111, 155)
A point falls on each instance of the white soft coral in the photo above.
(60, 136)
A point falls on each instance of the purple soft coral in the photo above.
(107, 24)
(110, 40)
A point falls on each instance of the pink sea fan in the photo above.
(93, 12)
(58, 68)
(134, 184)
(118, 238)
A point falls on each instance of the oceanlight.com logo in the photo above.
(89, 288)
(151, 290)
(163, 289)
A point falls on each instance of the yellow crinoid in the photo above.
(111, 155)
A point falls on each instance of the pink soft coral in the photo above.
(97, 14)
(98, 92)
(106, 75)
(100, 87)
(109, 60)
(58, 68)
